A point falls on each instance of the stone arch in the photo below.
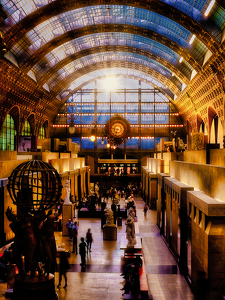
(213, 125)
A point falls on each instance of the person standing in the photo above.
(145, 209)
(82, 252)
(75, 235)
(63, 268)
(69, 226)
(89, 239)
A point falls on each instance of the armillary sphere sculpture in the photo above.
(35, 187)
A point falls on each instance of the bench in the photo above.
(143, 283)
(129, 257)
(143, 293)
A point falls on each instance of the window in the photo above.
(7, 135)
(150, 114)
(26, 129)
(41, 134)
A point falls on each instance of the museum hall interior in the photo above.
(112, 149)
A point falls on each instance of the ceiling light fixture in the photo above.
(192, 39)
(209, 7)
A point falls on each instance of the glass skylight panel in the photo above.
(21, 8)
(196, 9)
(107, 56)
(219, 17)
(128, 39)
(118, 14)
(57, 25)
(117, 71)
(193, 8)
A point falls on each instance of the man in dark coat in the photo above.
(82, 252)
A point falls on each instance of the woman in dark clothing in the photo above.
(89, 239)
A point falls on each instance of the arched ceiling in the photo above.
(63, 41)
(119, 72)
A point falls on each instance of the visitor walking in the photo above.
(82, 252)
(63, 268)
(145, 209)
(89, 239)
(69, 226)
(75, 235)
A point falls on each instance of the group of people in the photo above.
(84, 247)
(73, 234)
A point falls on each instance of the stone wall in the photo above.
(207, 241)
(207, 178)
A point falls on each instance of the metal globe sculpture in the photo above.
(35, 186)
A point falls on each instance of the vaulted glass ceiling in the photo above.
(19, 9)
(75, 37)
(110, 56)
(95, 15)
(106, 39)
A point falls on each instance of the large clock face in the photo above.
(117, 129)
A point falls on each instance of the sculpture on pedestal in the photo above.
(130, 232)
(34, 187)
(131, 213)
(67, 198)
(109, 217)
(109, 229)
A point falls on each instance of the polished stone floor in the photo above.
(101, 278)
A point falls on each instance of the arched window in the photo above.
(41, 134)
(7, 135)
(214, 130)
(202, 127)
(150, 112)
(26, 129)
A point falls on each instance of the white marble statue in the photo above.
(67, 198)
(109, 217)
(97, 189)
(130, 232)
(131, 213)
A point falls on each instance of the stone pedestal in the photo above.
(135, 248)
(119, 221)
(110, 233)
(35, 290)
(67, 213)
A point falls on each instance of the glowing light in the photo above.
(110, 83)
(72, 129)
(209, 7)
(108, 145)
(192, 39)
(181, 59)
(92, 138)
